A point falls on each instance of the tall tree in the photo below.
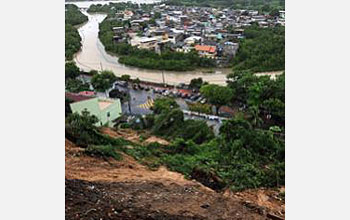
(217, 95)
(71, 70)
(103, 81)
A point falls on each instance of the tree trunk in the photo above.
(217, 109)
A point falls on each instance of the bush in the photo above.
(198, 107)
(103, 151)
(164, 105)
(81, 129)
(262, 50)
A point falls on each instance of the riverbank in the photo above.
(93, 56)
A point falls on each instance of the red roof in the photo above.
(87, 93)
(226, 109)
(185, 91)
(206, 48)
(77, 97)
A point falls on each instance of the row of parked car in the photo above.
(202, 115)
(192, 97)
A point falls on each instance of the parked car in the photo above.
(181, 85)
(166, 93)
(140, 87)
(121, 83)
(193, 97)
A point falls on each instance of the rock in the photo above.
(205, 206)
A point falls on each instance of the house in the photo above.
(206, 51)
(226, 111)
(148, 42)
(192, 40)
(106, 110)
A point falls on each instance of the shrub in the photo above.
(103, 151)
(164, 104)
(198, 107)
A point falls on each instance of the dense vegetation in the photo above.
(167, 60)
(263, 5)
(72, 83)
(247, 153)
(263, 49)
(72, 41)
(261, 97)
(72, 37)
(103, 81)
(217, 95)
(73, 16)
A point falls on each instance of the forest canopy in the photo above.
(262, 50)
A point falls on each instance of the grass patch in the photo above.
(103, 151)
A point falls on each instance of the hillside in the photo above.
(101, 187)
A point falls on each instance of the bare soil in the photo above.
(134, 136)
(100, 188)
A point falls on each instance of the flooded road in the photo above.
(94, 56)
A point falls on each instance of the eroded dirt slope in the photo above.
(98, 188)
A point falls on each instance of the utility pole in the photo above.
(101, 66)
(129, 99)
(163, 77)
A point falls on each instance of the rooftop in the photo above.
(77, 97)
(206, 48)
(102, 104)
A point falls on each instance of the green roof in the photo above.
(106, 110)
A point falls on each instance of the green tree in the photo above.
(196, 83)
(164, 105)
(274, 12)
(81, 129)
(125, 77)
(103, 81)
(76, 85)
(137, 81)
(217, 95)
(254, 115)
(71, 70)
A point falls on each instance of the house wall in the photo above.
(92, 106)
(115, 110)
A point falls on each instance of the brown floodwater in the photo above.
(93, 56)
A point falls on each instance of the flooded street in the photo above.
(93, 56)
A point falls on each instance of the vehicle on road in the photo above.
(121, 83)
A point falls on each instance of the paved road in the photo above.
(139, 97)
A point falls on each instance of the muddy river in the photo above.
(94, 56)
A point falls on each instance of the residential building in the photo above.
(106, 110)
(206, 51)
